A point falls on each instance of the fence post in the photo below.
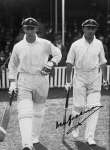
(57, 80)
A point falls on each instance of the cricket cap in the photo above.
(90, 23)
(30, 22)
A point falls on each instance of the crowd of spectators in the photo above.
(6, 44)
(8, 37)
(75, 35)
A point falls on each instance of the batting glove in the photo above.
(68, 86)
(105, 85)
(12, 88)
(47, 68)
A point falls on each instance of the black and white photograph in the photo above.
(54, 74)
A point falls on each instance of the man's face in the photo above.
(30, 30)
(89, 31)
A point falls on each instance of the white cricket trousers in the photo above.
(86, 94)
(32, 94)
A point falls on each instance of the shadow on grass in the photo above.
(58, 93)
(54, 93)
(61, 93)
(79, 145)
(64, 142)
(84, 146)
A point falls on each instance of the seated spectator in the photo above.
(2, 58)
(19, 36)
(7, 49)
(58, 43)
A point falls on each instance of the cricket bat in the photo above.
(5, 118)
(66, 107)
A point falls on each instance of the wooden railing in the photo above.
(58, 79)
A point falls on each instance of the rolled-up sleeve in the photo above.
(71, 55)
(102, 59)
(56, 54)
(13, 64)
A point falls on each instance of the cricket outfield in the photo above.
(50, 136)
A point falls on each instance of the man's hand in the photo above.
(68, 86)
(12, 88)
(105, 85)
(47, 68)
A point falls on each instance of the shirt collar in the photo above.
(87, 41)
(37, 39)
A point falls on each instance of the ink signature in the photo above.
(71, 118)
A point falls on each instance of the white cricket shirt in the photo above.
(85, 56)
(31, 57)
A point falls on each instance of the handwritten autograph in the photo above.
(71, 118)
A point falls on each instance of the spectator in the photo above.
(58, 43)
(2, 57)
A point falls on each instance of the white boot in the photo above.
(91, 141)
(75, 132)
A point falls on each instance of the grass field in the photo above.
(50, 136)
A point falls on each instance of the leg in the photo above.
(93, 99)
(39, 98)
(38, 117)
(79, 100)
(39, 111)
(25, 114)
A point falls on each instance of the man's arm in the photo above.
(104, 71)
(68, 72)
(104, 75)
(68, 76)
(103, 66)
(56, 54)
(13, 65)
(70, 62)
(12, 74)
(56, 57)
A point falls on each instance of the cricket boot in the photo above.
(91, 141)
(75, 132)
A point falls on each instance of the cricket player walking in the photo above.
(29, 70)
(88, 58)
